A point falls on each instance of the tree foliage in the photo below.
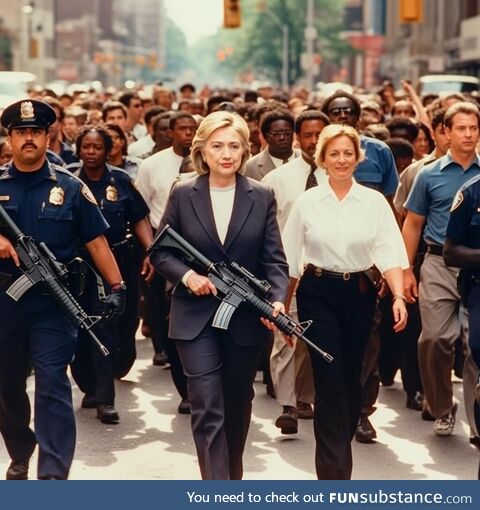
(257, 45)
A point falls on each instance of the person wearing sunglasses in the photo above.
(377, 171)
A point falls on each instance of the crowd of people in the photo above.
(360, 209)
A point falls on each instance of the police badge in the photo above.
(111, 193)
(26, 110)
(56, 196)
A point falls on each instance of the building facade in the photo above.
(446, 39)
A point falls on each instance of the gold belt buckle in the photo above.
(318, 272)
(346, 276)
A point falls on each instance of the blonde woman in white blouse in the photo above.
(335, 232)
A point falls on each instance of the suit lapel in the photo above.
(202, 205)
(242, 206)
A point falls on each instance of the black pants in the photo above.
(93, 372)
(155, 310)
(342, 314)
(35, 331)
(400, 350)
(474, 339)
(220, 378)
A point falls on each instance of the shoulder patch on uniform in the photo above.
(88, 194)
(457, 201)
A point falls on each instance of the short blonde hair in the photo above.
(331, 132)
(212, 122)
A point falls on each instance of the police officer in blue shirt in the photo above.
(127, 214)
(462, 249)
(51, 205)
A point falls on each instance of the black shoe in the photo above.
(270, 391)
(365, 432)
(107, 413)
(427, 415)
(415, 402)
(387, 381)
(184, 407)
(18, 470)
(475, 440)
(160, 359)
(287, 422)
(89, 402)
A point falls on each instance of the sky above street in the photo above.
(196, 18)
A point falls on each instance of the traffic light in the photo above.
(411, 11)
(232, 16)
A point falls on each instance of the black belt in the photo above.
(311, 270)
(435, 249)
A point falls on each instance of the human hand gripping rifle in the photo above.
(39, 265)
(236, 285)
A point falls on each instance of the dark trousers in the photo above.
(93, 372)
(125, 353)
(400, 350)
(220, 377)
(35, 331)
(474, 341)
(155, 310)
(342, 314)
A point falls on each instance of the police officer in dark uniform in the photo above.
(127, 214)
(55, 207)
(462, 249)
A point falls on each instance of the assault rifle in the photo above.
(236, 285)
(39, 265)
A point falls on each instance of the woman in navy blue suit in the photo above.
(228, 217)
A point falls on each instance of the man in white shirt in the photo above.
(291, 369)
(131, 100)
(145, 144)
(156, 176)
(158, 172)
(277, 129)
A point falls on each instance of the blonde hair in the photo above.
(212, 122)
(331, 132)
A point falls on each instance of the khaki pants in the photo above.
(443, 321)
(291, 369)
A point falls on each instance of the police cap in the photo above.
(28, 113)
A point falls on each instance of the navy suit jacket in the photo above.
(253, 241)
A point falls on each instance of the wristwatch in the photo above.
(117, 287)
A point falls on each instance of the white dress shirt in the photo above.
(288, 182)
(279, 162)
(155, 178)
(347, 235)
(141, 147)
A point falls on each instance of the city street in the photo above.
(153, 442)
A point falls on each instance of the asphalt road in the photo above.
(152, 441)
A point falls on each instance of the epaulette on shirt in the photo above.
(118, 169)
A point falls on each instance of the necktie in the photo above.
(311, 179)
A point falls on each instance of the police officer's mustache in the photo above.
(25, 145)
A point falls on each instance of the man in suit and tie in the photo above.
(291, 369)
(277, 129)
